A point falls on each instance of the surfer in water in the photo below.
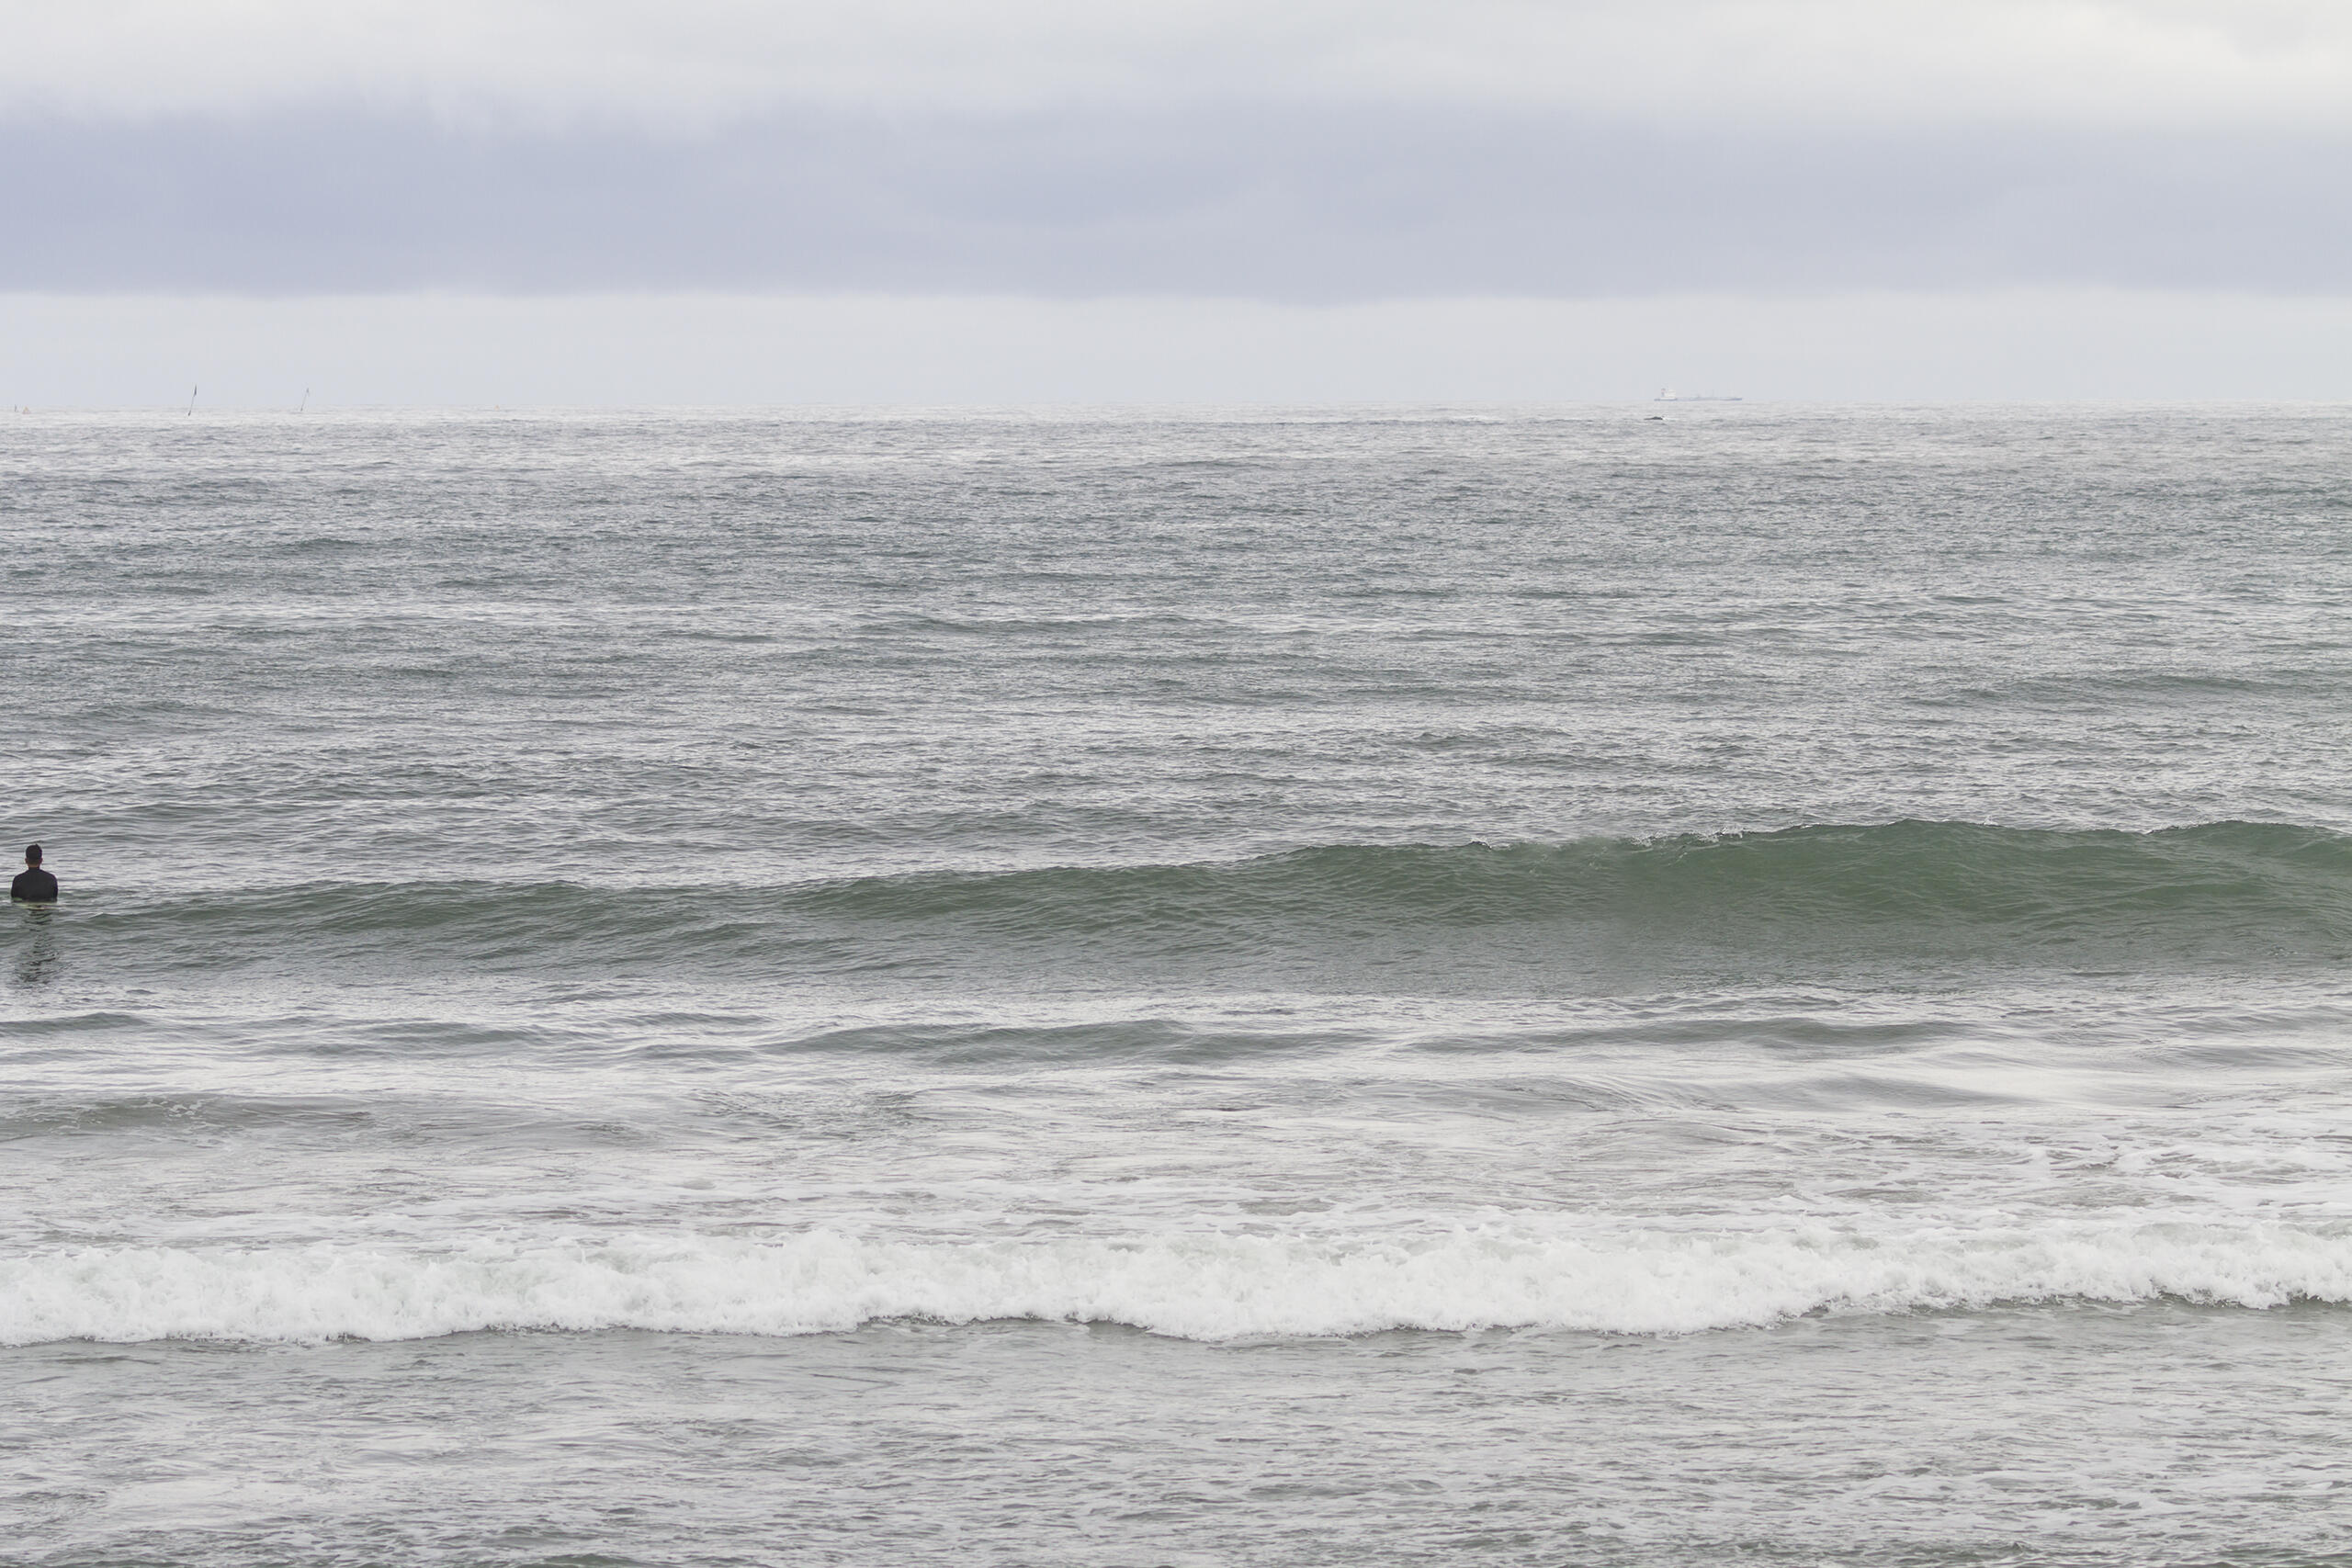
(33, 886)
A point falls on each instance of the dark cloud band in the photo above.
(1278, 205)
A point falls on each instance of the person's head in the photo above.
(32, 854)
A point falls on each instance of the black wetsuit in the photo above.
(33, 886)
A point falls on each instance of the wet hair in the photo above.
(32, 854)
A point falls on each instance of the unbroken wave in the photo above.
(1206, 1286)
(1801, 898)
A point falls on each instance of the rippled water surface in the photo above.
(1207, 987)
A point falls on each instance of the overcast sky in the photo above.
(1299, 156)
(691, 64)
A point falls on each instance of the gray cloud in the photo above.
(1241, 200)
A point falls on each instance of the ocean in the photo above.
(1354, 986)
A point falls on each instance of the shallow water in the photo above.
(2067, 1435)
(1235, 986)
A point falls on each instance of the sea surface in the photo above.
(1199, 987)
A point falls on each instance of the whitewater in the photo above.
(1185, 986)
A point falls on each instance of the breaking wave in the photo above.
(1208, 1286)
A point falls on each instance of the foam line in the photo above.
(1199, 1285)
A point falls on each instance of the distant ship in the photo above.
(1669, 395)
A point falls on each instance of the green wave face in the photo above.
(1805, 902)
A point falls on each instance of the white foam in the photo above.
(1205, 1285)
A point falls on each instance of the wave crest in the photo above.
(1209, 1286)
(1796, 899)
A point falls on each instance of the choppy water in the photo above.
(1342, 986)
